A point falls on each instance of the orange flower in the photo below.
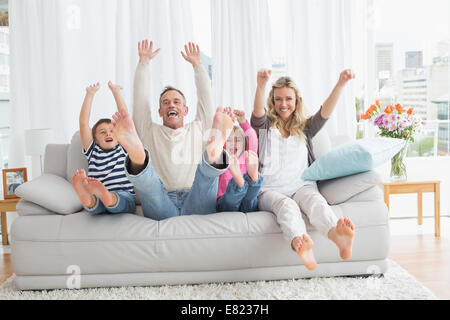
(372, 108)
(364, 117)
(399, 108)
(389, 109)
(378, 102)
(405, 134)
(410, 110)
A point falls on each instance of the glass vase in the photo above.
(398, 168)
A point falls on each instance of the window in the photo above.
(411, 62)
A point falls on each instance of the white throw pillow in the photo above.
(51, 192)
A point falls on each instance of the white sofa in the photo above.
(53, 238)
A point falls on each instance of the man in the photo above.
(172, 170)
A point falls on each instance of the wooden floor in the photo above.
(425, 257)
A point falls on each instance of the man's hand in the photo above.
(240, 116)
(192, 54)
(92, 89)
(146, 52)
(263, 76)
(345, 76)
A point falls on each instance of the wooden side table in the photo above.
(7, 205)
(419, 187)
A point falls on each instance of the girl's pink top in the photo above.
(225, 177)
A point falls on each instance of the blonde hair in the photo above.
(297, 120)
(237, 130)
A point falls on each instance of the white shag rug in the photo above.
(397, 284)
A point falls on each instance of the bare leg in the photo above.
(342, 235)
(303, 246)
(86, 198)
(235, 170)
(251, 158)
(221, 128)
(126, 134)
(94, 186)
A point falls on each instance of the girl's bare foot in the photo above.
(94, 186)
(343, 235)
(251, 158)
(126, 134)
(235, 170)
(85, 196)
(221, 128)
(303, 246)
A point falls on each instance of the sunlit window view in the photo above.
(411, 59)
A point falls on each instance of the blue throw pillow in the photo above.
(355, 157)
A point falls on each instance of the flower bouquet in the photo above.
(395, 122)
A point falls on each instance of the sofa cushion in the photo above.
(51, 192)
(339, 190)
(351, 158)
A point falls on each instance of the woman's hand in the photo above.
(345, 76)
(263, 76)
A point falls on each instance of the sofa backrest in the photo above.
(64, 159)
(75, 157)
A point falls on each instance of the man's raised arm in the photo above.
(141, 96)
(205, 108)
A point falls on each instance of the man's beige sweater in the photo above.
(175, 154)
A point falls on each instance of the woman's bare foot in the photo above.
(251, 158)
(235, 170)
(303, 246)
(94, 186)
(85, 196)
(221, 128)
(343, 235)
(126, 134)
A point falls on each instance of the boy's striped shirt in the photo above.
(108, 166)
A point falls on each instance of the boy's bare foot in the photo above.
(343, 235)
(251, 158)
(221, 128)
(94, 186)
(303, 246)
(85, 196)
(126, 134)
(114, 87)
(235, 170)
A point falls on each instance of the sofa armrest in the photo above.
(51, 192)
(340, 190)
(55, 159)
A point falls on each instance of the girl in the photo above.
(285, 135)
(240, 184)
(107, 188)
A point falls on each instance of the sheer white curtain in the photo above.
(240, 47)
(321, 44)
(59, 47)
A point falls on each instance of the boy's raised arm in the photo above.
(85, 113)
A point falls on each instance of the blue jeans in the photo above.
(126, 203)
(242, 199)
(158, 204)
